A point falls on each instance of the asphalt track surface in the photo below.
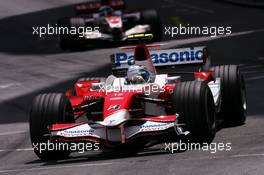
(30, 65)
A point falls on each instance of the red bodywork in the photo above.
(84, 94)
(112, 102)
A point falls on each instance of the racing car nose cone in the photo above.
(116, 118)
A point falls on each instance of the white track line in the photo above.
(53, 167)
(19, 149)
(12, 133)
(255, 78)
(252, 72)
(248, 155)
(251, 66)
(177, 43)
(4, 86)
(231, 156)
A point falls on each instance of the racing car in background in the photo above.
(106, 21)
(142, 108)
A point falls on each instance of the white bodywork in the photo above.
(138, 29)
(135, 30)
(113, 134)
(116, 118)
(114, 21)
(215, 87)
(93, 35)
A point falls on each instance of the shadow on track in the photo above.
(16, 32)
(17, 109)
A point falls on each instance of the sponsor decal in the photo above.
(91, 98)
(80, 131)
(154, 126)
(75, 133)
(163, 57)
(114, 107)
(116, 98)
(111, 121)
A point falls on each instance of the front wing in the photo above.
(98, 133)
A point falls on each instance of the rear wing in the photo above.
(94, 5)
(163, 58)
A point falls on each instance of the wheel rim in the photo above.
(244, 101)
(210, 113)
(243, 94)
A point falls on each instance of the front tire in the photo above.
(194, 103)
(48, 109)
(151, 18)
(234, 101)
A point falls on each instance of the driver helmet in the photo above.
(105, 11)
(137, 74)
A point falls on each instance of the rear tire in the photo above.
(194, 103)
(151, 18)
(48, 109)
(234, 101)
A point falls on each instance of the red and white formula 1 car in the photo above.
(105, 22)
(142, 108)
